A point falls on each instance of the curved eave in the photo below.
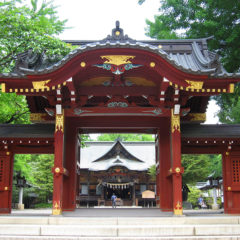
(59, 67)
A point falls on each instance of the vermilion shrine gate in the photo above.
(122, 85)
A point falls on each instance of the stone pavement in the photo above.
(116, 212)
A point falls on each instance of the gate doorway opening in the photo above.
(119, 165)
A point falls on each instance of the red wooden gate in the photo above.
(5, 182)
(231, 174)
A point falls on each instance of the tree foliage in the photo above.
(202, 19)
(13, 109)
(193, 196)
(42, 174)
(22, 164)
(197, 167)
(229, 106)
(152, 172)
(24, 27)
(126, 137)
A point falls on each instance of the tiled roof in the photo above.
(46, 130)
(187, 55)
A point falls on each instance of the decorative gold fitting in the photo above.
(3, 86)
(194, 85)
(56, 211)
(83, 64)
(231, 88)
(229, 188)
(177, 170)
(159, 46)
(7, 153)
(178, 211)
(117, 33)
(59, 123)
(40, 84)
(6, 188)
(170, 170)
(152, 64)
(201, 117)
(227, 153)
(57, 170)
(117, 59)
(175, 121)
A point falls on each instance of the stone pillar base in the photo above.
(20, 206)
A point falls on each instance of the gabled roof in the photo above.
(116, 149)
(141, 155)
(190, 56)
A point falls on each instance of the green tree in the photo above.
(126, 137)
(13, 109)
(193, 196)
(24, 27)
(196, 167)
(152, 172)
(42, 174)
(203, 19)
(199, 19)
(22, 164)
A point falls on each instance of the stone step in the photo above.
(119, 220)
(120, 230)
(120, 238)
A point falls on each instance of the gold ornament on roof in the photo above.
(117, 59)
(194, 84)
(40, 84)
(175, 121)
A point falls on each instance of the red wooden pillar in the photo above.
(58, 169)
(164, 179)
(6, 177)
(70, 181)
(177, 169)
(231, 181)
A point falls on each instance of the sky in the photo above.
(95, 19)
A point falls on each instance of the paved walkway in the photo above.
(118, 212)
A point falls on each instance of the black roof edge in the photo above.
(150, 42)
